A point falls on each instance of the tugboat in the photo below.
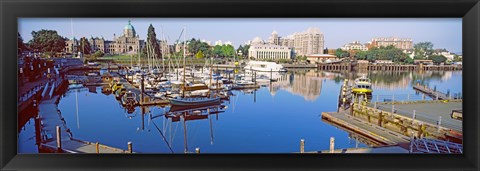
(362, 85)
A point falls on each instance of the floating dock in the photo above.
(436, 95)
(49, 118)
(397, 122)
(372, 131)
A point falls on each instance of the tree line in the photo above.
(421, 51)
(49, 42)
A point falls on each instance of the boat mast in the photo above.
(163, 50)
(184, 58)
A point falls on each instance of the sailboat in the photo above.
(190, 101)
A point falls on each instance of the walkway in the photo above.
(370, 130)
(50, 118)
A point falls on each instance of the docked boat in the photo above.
(264, 66)
(116, 85)
(129, 99)
(120, 92)
(194, 101)
(244, 84)
(362, 85)
(195, 87)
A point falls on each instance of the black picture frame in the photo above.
(469, 10)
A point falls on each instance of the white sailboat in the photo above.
(191, 101)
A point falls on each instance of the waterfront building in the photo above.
(400, 43)
(322, 58)
(355, 45)
(274, 39)
(71, 45)
(383, 61)
(303, 43)
(129, 41)
(269, 51)
(445, 53)
(308, 42)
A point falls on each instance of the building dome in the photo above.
(257, 40)
(129, 26)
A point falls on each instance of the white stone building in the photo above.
(400, 43)
(355, 45)
(269, 51)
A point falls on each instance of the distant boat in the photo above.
(362, 85)
(194, 101)
(264, 66)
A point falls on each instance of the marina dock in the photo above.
(50, 117)
(434, 94)
(397, 122)
(372, 131)
(147, 100)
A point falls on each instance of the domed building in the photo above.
(129, 42)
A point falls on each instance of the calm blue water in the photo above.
(271, 120)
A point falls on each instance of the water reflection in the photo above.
(270, 119)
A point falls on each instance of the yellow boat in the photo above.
(116, 86)
(362, 85)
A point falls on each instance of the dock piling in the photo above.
(302, 145)
(59, 138)
(439, 123)
(197, 150)
(332, 144)
(130, 149)
(97, 148)
(414, 113)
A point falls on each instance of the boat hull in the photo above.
(181, 102)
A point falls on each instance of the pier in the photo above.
(434, 94)
(397, 122)
(348, 66)
(57, 137)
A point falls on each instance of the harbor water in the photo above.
(272, 119)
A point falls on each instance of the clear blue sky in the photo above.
(443, 33)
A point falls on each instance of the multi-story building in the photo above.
(355, 45)
(269, 51)
(129, 42)
(400, 43)
(307, 42)
(71, 45)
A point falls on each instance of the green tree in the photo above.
(152, 43)
(244, 50)
(199, 55)
(217, 50)
(98, 54)
(228, 50)
(457, 58)
(423, 50)
(437, 59)
(341, 53)
(84, 46)
(20, 45)
(409, 60)
(195, 45)
(47, 41)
